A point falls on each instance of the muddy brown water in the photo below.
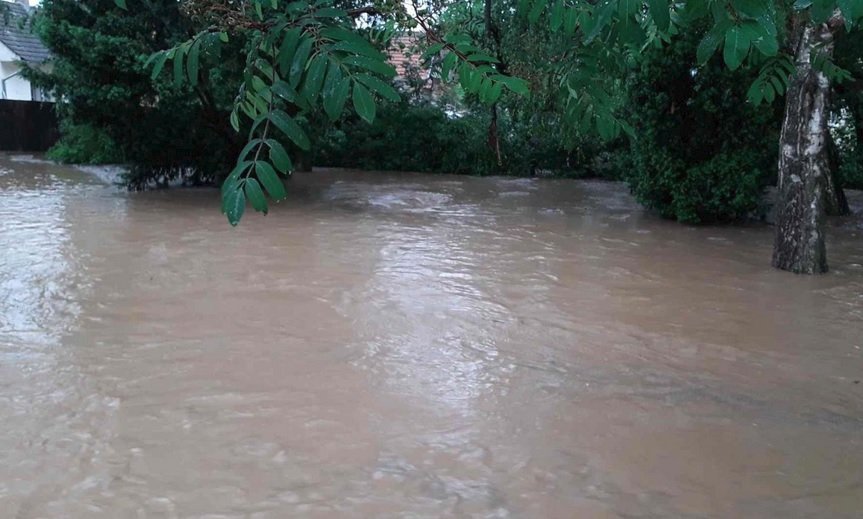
(388, 345)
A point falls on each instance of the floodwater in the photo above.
(388, 345)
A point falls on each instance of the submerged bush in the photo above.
(84, 144)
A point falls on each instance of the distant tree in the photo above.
(163, 131)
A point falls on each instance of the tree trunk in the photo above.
(803, 160)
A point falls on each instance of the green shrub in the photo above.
(406, 137)
(84, 144)
(850, 172)
(702, 153)
(409, 137)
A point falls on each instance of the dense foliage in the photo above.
(421, 137)
(848, 113)
(85, 144)
(407, 137)
(701, 153)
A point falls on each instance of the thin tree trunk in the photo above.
(493, 37)
(803, 160)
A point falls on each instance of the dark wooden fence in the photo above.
(27, 126)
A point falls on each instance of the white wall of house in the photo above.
(16, 87)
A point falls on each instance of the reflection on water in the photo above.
(406, 345)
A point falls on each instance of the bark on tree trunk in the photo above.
(803, 160)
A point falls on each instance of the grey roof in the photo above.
(17, 34)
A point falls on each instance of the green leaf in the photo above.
(290, 128)
(752, 30)
(769, 94)
(249, 109)
(234, 205)
(766, 43)
(379, 87)
(484, 90)
(340, 34)
(802, 4)
(603, 16)
(476, 78)
(587, 22)
(516, 85)
(630, 31)
(448, 63)
(751, 8)
(358, 47)
(536, 10)
(482, 58)
(605, 126)
(265, 68)
(252, 144)
(158, 64)
(234, 176)
(570, 20)
(494, 93)
(754, 94)
(660, 14)
(766, 24)
(298, 65)
(261, 105)
(255, 195)
(778, 84)
(736, 46)
(287, 50)
(121, 4)
(375, 65)
(465, 74)
(192, 64)
(335, 99)
(270, 179)
(556, 16)
(179, 72)
(334, 76)
(711, 42)
(285, 91)
(821, 10)
(852, 11)
(628, 7)
(364, 103)
(432, 50)
(235, 120)
(314, 78)
(280, 156)
(258, 85)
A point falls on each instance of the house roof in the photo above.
(16, 33)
